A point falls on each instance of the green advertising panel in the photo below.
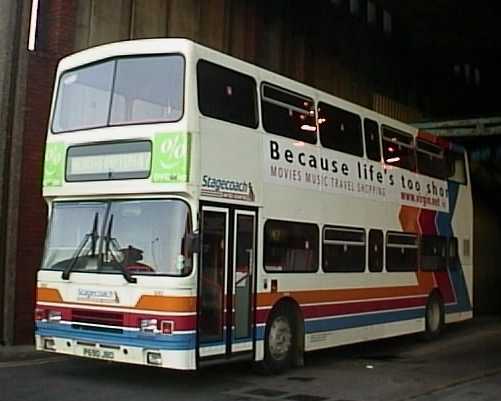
(171, 157)
(54, 161)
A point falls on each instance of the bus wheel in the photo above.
(434, 316)
(280, 341)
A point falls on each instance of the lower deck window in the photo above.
(433, 253)
(401, 252)
(376, 244)
(290, 246)
(452, 253)
(344, 249)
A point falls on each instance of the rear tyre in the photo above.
(434, 316)
(280, 341)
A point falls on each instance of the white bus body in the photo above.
(307, 238)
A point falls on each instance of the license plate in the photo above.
(98, 353)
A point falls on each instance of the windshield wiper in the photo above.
(93, 237)
(121, 264)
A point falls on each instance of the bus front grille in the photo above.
(111, 322)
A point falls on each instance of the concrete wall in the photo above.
(487, 255)
(12, 68)
(318, 43)
(26, 80)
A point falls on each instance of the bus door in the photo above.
(226, 281)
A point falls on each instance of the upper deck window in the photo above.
(340, 130)
(288, 114)
(431, 159)
(226, 94)
(398, 148)
(126, 90)
(372, 145)
(456, 170)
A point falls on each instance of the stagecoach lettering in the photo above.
(224, 188)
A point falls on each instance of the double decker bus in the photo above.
(202, 208)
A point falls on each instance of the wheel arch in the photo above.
(436, 292)
(435, 296)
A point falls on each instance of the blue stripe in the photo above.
(456, 274)
(350, 322)
(220, 342)
(128, 338)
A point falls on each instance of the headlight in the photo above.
(167, 327)
(149, 325)
(40, 314)
(54, 316)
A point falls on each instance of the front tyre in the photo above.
(434, 316)
(279, 342)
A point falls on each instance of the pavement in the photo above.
(10, 353)
(22, 353)
(464, 364)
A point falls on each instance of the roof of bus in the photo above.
(188, 47)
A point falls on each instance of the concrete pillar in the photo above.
(271, 34)
(487, 237)
(213, 23)
(82, 27)
(110, 21)
(184, 19)
(149, 19)
(14, 23)
(241, 29)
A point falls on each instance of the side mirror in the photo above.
(193, 243)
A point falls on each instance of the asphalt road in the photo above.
(463, 365)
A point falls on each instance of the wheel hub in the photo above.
(280, 338)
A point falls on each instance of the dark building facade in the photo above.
(361, 50)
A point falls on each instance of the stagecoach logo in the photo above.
(171, 157)
(229, 189)
(54, 164)
(100, 296)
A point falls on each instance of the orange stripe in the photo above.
(346, 295)
(48, 295)
(147, 302)
(408, 217)
(170, 304)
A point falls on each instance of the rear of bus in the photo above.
(117, 280)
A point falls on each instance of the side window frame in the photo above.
(404, 244)
(314, 243)
(436, 154)
(308, 136)
(376, 239)
(451, 170)
(350, 117)
(254, 124)
(438, 242)
(379, 152)
(352, 232)
(453, 260)
(407, 143)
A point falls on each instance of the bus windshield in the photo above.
(133, 237)
(125, 90)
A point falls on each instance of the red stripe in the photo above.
(316, 311)
(129, 319)
(180, 322)
(445, 286)
(427, 222)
